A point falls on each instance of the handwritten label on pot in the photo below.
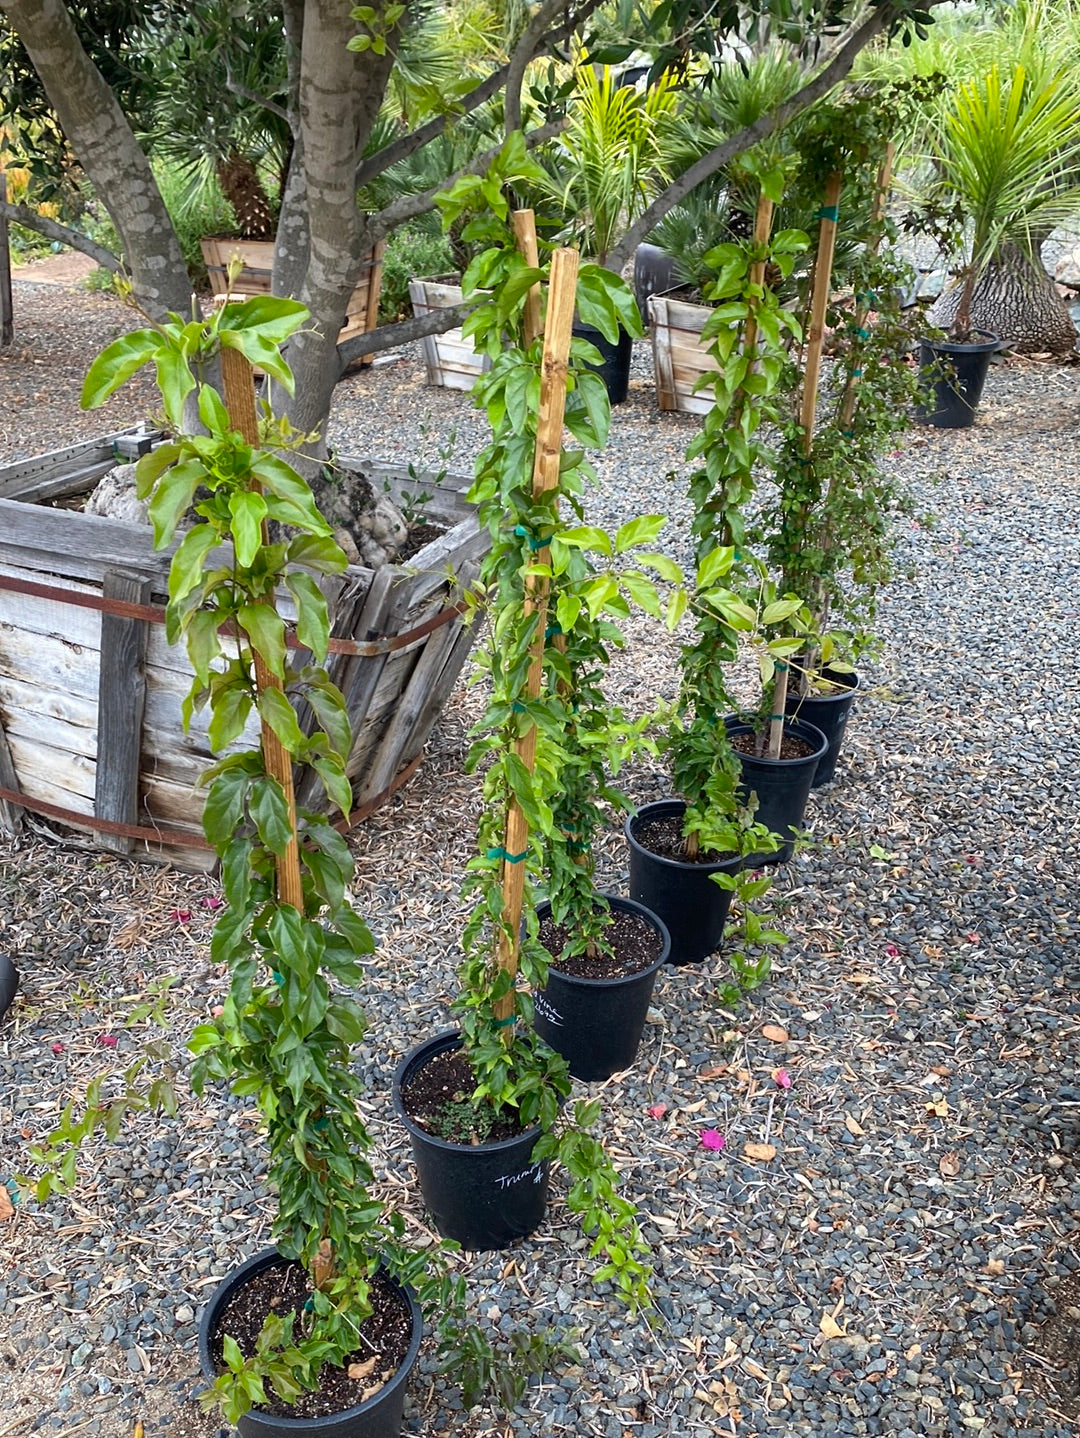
(535, 1173)
(546, 1010)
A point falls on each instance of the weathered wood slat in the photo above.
(11, 816)
(121, 701)
(59, 705)
(679, 356)
(450, 360)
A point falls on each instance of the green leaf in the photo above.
(664, 566)
(273, 318)
(586, 537)
(642, 592)
(676, 608)
(642, 530)
(175, 381)
(270, 813)
(318, 552)
(224, 807)
(275, 708)
(295, 504)
(715, 564)
(172, 499)
(247, 510)
(115, 365)
(212, 412)
(779, 610)
(333, 715)
(312, 618)
(232, 705)
(266, 630)
(186, 569)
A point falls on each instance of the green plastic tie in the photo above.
(534, 542)
(501, 853)
(780, 666)
(321, 1124)
(577, 846)
(862, 334)
(868, 297)
(828, 212)
(519, 708)
(856, 373)
(503, 1023)
(774, 717)
(279, 979)
(552, 629)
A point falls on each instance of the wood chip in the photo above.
(763, 1151)
(774, 1033)
(357, 1371)
(949, 1165)
(853, 1126)
(7, 1208)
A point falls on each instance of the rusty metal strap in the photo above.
(181, 838)
(154, 614)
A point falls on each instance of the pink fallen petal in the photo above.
(892, 951)
(212, 901)
(712, 1138)
(658, 1110)
(180, 916)
(781, 1078)
(974, 938)
(57, 1048)
(107, 1041)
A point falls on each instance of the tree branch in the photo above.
(407, 207)
(42, 225)
(400, 333)
(263, 101)
(532, 38)
(831, 74)
(401, 149)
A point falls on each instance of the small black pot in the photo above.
(596, 1024)
(380, 1417)
(615, 369)
(683, 895)
(958, 373)
(782, 786)
(484, 1195)
(9, 983)
(654, 270)
(829, 713)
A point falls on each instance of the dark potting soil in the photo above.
(790, 747)
(635, 944)
(664, 837)
(284, 1288)
(438, 1098)
(419, 535)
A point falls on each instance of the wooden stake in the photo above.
(238, 383)
(524, 222)
(846, 412)
(562, 298)
(819, 305)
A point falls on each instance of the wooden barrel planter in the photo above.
(450, 359)
(90, 692)
(679, 357)
(361, 316)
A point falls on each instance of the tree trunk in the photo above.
(1017, 301)
(99, 133)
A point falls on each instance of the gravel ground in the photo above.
(905, 1264)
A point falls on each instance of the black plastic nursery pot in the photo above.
(380, 1417)
(684, 895)
(615, 369)
(654, 270)
(782, 786)
(829, 713)
(596, 1024)
(484, 1195)
(9, 984)
(958, 373)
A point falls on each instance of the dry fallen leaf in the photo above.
(949, 1165)
(940, 1106)
(371, 1392)
(996, 1266)
(829, 1326)
(764, 1151)
(356, 1371)
(774, 1033)
(714, 1072)
(7, 1208)
(853, 1126)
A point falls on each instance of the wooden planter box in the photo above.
(450, 359)
(679, 357)
(90, 728)
(254, 279)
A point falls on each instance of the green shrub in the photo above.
(197, 210)
(417, 250)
